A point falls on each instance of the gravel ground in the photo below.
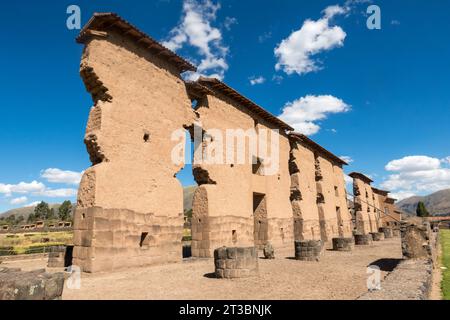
(411, 280)
(338, 275)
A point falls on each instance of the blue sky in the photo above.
(380, 97)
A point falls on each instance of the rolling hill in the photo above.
(437, 203)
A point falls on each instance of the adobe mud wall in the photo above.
(130, 203)
(367, 215)
(236, 206)
(318, 194)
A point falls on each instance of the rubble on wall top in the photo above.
(101, 22)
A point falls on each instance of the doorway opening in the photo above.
(260, 222)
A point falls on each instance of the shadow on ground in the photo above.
(387, 265)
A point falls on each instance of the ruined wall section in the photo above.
(345, 224)
(130, 205)
(230, 197)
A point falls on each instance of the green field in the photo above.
(445, 245)
(32, 242)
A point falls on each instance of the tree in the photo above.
(41, 211)
(51, 214)
(421, 210)
(19, 220)
(64, 210)
(11, 219)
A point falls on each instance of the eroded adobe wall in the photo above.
(130, 207)
(230, 188)
(331, 196)
(304, 193)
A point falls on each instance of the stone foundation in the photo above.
(388, 232)
(363, 239)
(308, 250)
(235, 262)
(396, 233)
(343, 244)
(35, 285)
(111, 239)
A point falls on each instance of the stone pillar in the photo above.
(308, 250)
(343, 244)
(235, 262)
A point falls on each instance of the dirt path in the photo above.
(339, 275)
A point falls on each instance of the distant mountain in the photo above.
(188, 195)
(26, 211)
(437, 203)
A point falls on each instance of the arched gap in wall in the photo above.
(187, 180)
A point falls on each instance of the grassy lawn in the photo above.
(445, 245)
(32, 242)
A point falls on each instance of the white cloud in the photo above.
(59, 193)
(302, 114)
(446, 160)
(265, 36)
(416, 175)
(413, 163)
(195, 29)
(22, 187)
(19, 200)
(347, 159)
(257, 80)
(294, 54)
(33, 204)
(60, 176)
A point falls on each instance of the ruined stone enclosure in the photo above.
(130, 203)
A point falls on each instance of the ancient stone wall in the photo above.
(304, 193)
(367, 217)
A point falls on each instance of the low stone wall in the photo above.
(343, 244)
(35, 285)
(45, 229)
(410, 280)
(308, 250)
(235, 262)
